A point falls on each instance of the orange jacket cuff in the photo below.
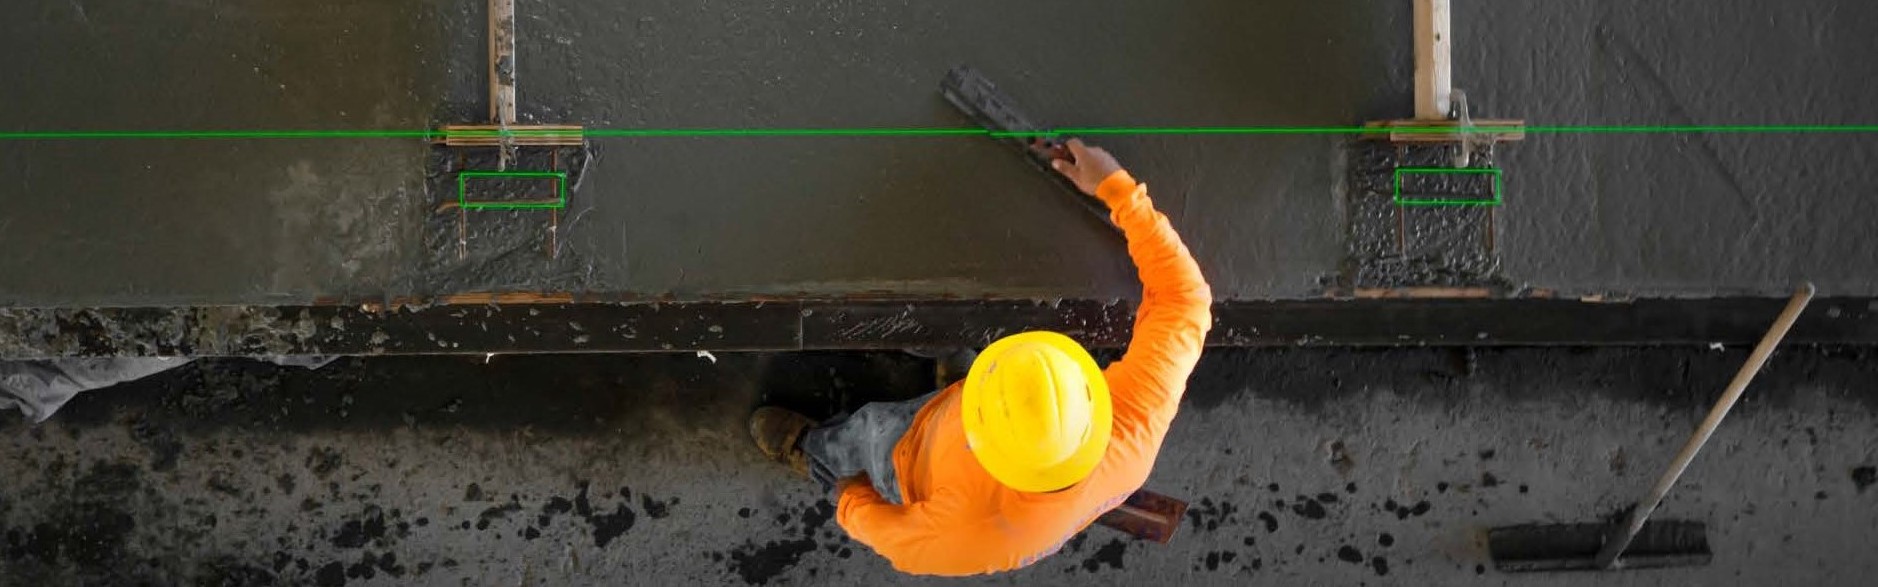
(1116, 187)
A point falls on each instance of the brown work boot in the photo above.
(778, 433)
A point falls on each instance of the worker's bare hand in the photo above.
(1090, 167)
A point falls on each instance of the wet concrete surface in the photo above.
(948, 215)
(176, 222)
(1303, 466)
(116, 223)
(1681, 214)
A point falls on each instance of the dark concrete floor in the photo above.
(211, 222)
(1304, 467)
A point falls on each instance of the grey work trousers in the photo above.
(863, 443)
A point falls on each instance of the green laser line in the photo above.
(786, 132)
(1305, 130)
(219, 134)
(437, 134)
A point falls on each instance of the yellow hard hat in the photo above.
(1036, 411)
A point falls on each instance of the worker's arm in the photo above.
(919, 539)
(897, 533)
(1176, 303)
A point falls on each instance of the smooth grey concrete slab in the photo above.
(225, 222)
(1685, 214)
(1303, 467)
(195, 222)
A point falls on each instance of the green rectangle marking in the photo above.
(462, 190)
(1499, 187)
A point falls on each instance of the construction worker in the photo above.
(999, 470)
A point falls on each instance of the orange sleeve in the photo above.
(1175, 313)
(895, 532)
(908, 537)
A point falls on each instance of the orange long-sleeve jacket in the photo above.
(957, 519)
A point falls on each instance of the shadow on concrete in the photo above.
(547, 394)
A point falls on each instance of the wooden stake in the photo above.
(502, 62)
(1434, 79)
(462, 234)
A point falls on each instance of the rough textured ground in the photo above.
(1303, 466)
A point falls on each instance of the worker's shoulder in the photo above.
(1126, 466)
